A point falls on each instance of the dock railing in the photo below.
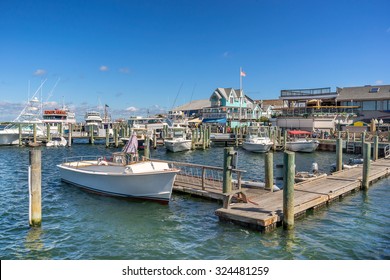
(202, 176)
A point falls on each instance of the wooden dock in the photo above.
(264, 209)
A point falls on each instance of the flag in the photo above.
(242, 74)
(107, 105)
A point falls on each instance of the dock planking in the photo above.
(264, 209)
(267, 213)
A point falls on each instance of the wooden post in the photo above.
(363, 139)
(146, 146)
(366, 165)
(288, 190)
(91, 140)
(204, 139)
(59, 129)
(376, 144)
(35, 179)
(108, 137)
(227, 169)
(339, 154)
(35, 132)
(193, 138)
(48, 135)
(20, 134)
(154, 139)
(284, 140)
(70, 126)
(116, 137)
(269, 171)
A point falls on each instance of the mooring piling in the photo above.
(269, 171)
(288, 189)
(366, 165)
(227, 169)
(35, 181)
(339, 154)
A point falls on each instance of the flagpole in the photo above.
(240, 79)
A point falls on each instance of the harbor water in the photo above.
(80, 225)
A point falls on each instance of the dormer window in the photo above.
(374, 90)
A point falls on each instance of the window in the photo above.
(374, 90)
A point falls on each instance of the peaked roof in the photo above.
(364, 93)
(225, 92)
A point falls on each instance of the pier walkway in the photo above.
(264, 209)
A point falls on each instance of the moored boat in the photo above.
(118, 177)
(257, 140)
(299, 143)
(177, 141)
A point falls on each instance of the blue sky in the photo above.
(145, 55)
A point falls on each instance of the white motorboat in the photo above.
(57, 141)
(257, 140)
(24, 123)
(151, 180)
(177, 140)
(299, 143)
(58, 119)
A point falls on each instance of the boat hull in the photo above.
(306, 147)
(115, 181)
(257, 147)
(177, 146)
(9, 138)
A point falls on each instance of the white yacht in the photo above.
(53, 119)
(27, 119)
(177, 140)
(93, 121)
(299, 141)
(257, 140)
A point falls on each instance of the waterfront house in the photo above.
(369, 102)
(230, 107)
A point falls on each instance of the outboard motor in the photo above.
(314, 167)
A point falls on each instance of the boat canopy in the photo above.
(299, 132)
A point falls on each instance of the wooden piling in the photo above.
(116, 137)
(376, 148)
(366, 165)
(146, 146)
(35, 132)
(204, 138)
(269, 171)
(288, 189)
(35, 181)
(339, 154)
(70, 135)
(107, 137)
(20, 134)
(227, 169)
(91, 140)
(154, 139)
(48, 135)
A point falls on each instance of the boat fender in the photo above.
(102, 162)
(128, 170)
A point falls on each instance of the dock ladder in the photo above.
(387, 151)
(351, 147)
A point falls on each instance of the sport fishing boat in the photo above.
(257, 140)
(121, 175)
(24, 124)
(177, 140)
(299, 141)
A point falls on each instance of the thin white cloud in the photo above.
(226, 54)
(103, 68)
(132, 109)
(39, 72)
(124, 70)
(379, 82)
